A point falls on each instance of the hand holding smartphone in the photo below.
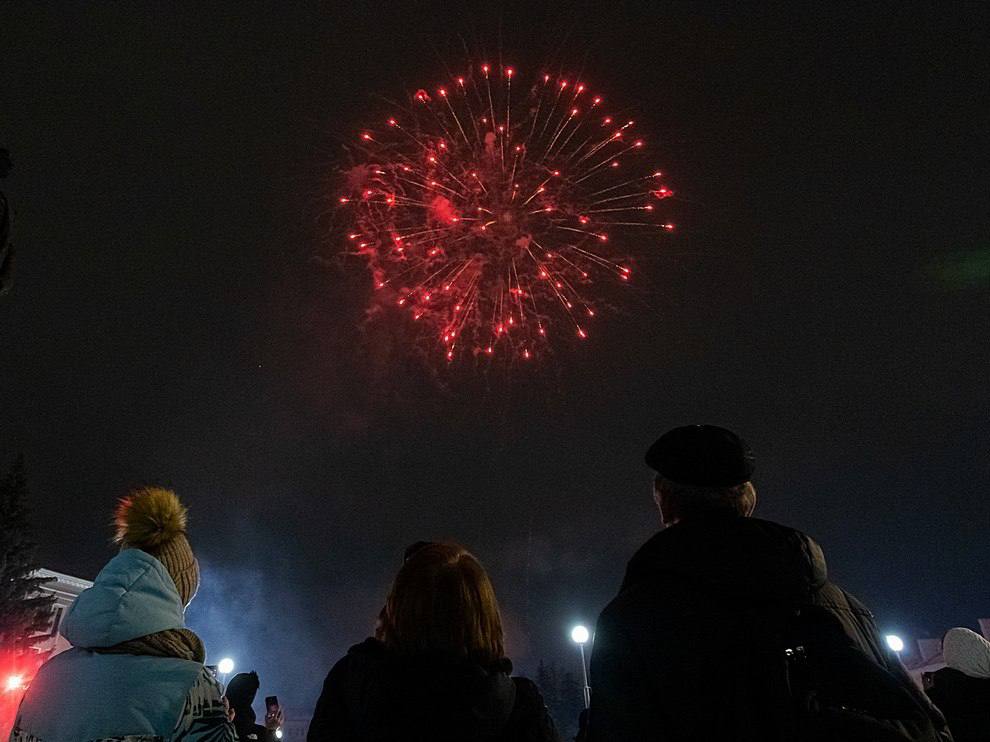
(273, 715)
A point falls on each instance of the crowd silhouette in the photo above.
(725, 627)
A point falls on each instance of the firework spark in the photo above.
(492, 212)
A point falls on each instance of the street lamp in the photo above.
(895, 642)
(225, 667)
(580, 636)
(14, 683)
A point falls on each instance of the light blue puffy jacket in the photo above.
(83, 696)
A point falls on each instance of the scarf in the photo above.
(181, 644)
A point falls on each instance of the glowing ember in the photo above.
(492, 214)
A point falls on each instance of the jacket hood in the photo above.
(445, 698)
(242, 689)
(240, 693)
(744, 557)
(133, 596)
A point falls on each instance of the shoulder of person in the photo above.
(951, 678)
(359, 658)
(836, 598)
(204, 716)
(370, 652)
(528, 696)
(526, 686)
(531, 718)
(370, 646)
(206, 687)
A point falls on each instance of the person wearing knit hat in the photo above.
(134, 669)
(152, 519)
(693, 646)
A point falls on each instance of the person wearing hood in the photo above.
(240, 693)
(726, 627)
(961, 689)
(135, 671)
(436, 670)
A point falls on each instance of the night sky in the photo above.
(181, 315)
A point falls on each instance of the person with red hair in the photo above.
(436, 668)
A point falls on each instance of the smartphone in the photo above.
(271, 704)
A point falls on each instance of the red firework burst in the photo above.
(492, 215)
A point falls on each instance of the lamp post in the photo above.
(580, 636)
(895, 642)
(225, 667)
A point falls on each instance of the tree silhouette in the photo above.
(24, 612)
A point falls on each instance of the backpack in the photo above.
(821, 687)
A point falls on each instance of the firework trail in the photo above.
(494, 212)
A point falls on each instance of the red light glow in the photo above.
(14, 683)
(496, 211)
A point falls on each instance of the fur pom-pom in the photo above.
(149, 518)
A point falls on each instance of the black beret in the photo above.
(703, 456)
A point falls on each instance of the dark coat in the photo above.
(373, 695)
(240, 693)
(965, 701)
(251, 731)
(681, 653)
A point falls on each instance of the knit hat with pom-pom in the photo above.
(153, 520)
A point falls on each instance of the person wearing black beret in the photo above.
(726, 627)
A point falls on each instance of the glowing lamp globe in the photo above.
(895, 642)
(225, 666)
(580, 635)
(13, 683)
